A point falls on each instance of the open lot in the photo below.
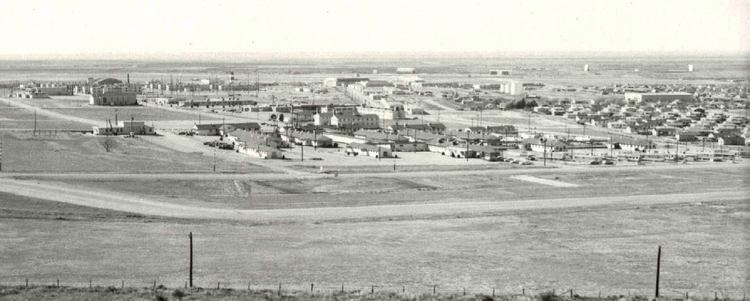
(14, 118)
(496, 185)
(72, 152)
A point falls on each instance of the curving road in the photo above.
(128, 203)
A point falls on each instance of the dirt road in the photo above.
(128, 203)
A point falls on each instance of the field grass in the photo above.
(125, 113)
(13, 118)
(395, 189)
(611, 249)
(69, 152)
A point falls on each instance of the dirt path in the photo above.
(744, 165)
(128, 203)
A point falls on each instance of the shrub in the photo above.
(178, 294)
(549, 296)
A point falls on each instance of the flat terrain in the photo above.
(493, 185)
(610, 248)
(72, 211)
(72, 152)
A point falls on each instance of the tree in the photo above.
(530, 104)
(109, 144)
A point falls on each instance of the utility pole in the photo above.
(34, 133)
(544, 154)
(191, 259)
(658, 267)
(467, 146)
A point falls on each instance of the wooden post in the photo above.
(191, 259)
(89, 283)
(464, 291)
(658, 267)
(434, 289)
(571, 293)
(342, 287)
(58, 282)
(372, 289)
(523, 291)
(154, 284)
(279, 291)
(27, 282)
(493, 292)
(218, 285)
(312, 285)
(122, 284)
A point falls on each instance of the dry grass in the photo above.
(84, 153)
(611, 249)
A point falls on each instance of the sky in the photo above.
(39, 28)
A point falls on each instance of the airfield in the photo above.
(73, 212)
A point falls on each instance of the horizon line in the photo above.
(265, 55)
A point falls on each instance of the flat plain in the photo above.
(70, 210)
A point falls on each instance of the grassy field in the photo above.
(124, 113)
(68, 152)
(611, 249)
(395, 189)
(13, 118)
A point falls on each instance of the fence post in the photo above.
(571, 293)
(122, 285)
(58, 282)
(342, 287)
(434, 288)
(312, 285)
(493, 292)
(523, 291)
(218, 284)
(372, 289)
(27, 282)
(89, 283)
(464, 291)
(279, 291)
(154, 284)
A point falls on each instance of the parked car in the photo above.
(527, 163)
(531, 158)
(595, 162)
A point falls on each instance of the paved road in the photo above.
(128, 203)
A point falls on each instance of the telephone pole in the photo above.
(658, 267)
(191, 259)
